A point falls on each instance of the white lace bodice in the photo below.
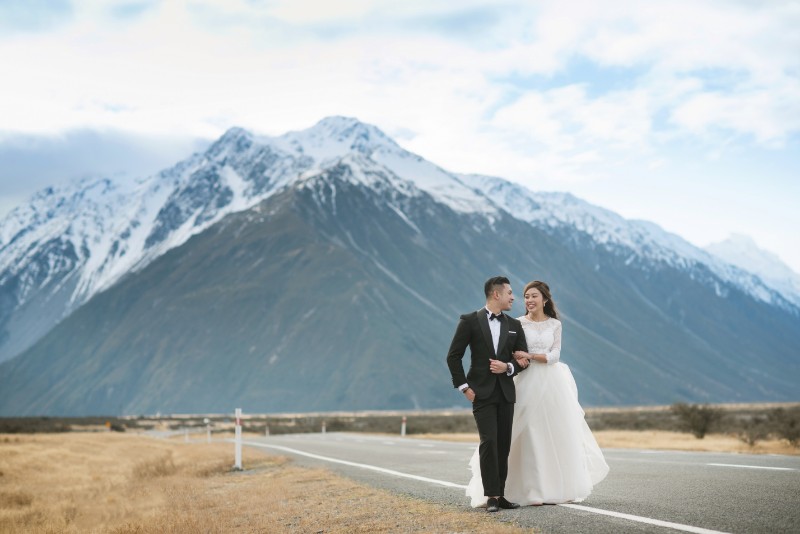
(543, 337)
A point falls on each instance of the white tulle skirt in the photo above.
(554, 458)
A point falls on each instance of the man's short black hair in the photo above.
(492, 283)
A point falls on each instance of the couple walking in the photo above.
(542, 451)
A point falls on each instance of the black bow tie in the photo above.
(493, 316)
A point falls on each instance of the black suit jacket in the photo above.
(473, 332)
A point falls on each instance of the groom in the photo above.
(492, 338)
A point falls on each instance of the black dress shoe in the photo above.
(507, 505)
(492, 505)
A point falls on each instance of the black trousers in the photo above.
(494, 416)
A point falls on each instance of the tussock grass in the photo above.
(157, 467)
(685, 441)
(124, 484)
(15, 499)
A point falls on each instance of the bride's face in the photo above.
(533, 300)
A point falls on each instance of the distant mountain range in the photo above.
(326, 269)
(742, 251)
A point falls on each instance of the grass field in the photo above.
(73, 475)
(108, 482)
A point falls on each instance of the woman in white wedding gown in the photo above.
(554, 458)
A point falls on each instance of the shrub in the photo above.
(754, 430)
(786, 424)
(695, 418)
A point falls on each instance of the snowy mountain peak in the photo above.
(743, 252)
(112, 228)
(334, 137)
(360, 135)
(304, 153)
(319, 146)
(640, 241)
(234, 140)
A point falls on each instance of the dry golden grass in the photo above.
(120, 484)
(683, 441)
(661, 440)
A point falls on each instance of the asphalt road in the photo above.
(646, 491)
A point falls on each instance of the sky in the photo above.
(684, 113)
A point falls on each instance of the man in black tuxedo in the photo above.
(492, 338)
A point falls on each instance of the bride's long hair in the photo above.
(550, 306)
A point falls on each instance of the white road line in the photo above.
(675, 462)
(755, 467)
(363, 466)
(640, 519)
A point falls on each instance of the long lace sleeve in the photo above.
(554, 354)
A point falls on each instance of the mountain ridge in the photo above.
(70, 263)
(310, 308)
(185, 206)
(340, 290)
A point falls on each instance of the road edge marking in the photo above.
(755, 467)
(362, 466)
(630, 517)
(640, 519)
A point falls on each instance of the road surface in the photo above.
(646, 491)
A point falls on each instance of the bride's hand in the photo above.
(522, 362)
(522, 355)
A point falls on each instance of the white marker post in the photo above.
(186, 435)
(403, 427)
(266, 432)
(238, 441)
(207, 421)
(323, 427)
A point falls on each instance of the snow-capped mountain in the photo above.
(743, 252)
(325, 268)
(642, 242)
(72, 242)
(116, 228)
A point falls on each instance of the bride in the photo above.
(554, 458)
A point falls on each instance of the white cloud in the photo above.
(768, 115)
(314, 11)
(169, 70)
(553, 93)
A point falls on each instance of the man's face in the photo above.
(505, 297)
